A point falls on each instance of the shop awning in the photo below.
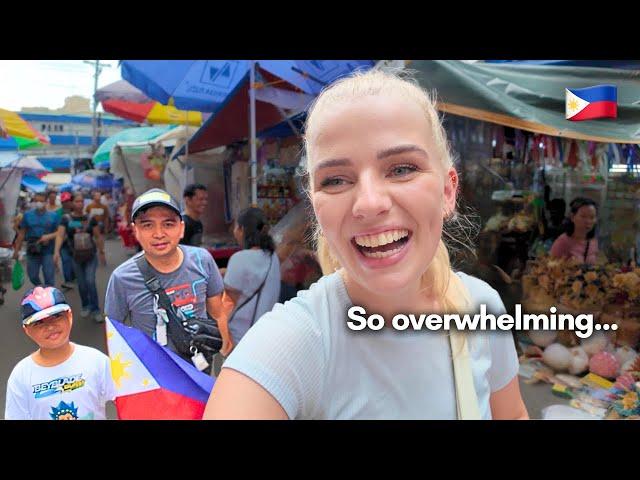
(532, 97)
(33, 183)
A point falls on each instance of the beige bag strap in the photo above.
(466, 398)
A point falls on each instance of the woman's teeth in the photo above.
(383, 244)
(384, 254)
(381, 239)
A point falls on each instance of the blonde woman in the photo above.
(382, 183)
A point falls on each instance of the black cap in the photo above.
(155, 197)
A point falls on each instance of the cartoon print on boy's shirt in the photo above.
(66, 411)
(59, 385)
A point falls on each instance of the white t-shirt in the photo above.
(304, 354)
(246, 271)
(77, 389)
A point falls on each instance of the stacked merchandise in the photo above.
(609, 358)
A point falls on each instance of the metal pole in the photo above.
(98, 70)
(252, 115)
(94, 127)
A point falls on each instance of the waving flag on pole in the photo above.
(590, 103)
(152, 382)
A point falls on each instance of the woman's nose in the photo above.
(372, 197)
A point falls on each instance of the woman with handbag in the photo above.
(382, 184)
(252, 277)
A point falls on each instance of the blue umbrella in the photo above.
(227, 87)
(203, 85)
(67, 187)
(33, 183)
(95, 180)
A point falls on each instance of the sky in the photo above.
(46, 83)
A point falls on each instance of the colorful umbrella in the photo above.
(33, 183)
(28, 163)
(203, 85)
(228, 89)
(19, 143)
(152, 112)
(14, 125)
(95, 180)
(121, 90)
(138, 134)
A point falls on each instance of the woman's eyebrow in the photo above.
(332, 162)
(342, 162)
(400, 149)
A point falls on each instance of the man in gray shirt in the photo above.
(188, 274)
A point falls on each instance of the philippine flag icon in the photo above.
(589, 103)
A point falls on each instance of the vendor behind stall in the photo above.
(579, 240)
(195, 200)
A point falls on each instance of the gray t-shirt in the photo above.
(245, 272)
(188, 287)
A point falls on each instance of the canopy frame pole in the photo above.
(252, 128)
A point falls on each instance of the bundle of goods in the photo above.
(567, 284)
(521, 222)
(609, 390)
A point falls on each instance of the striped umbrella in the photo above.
(124, 100)
(12, 124)
(19, 143)
(152, 112)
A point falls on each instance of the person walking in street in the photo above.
(53, 205)
(98, 210)
(83, 238)
(38, 227)
(69, 276)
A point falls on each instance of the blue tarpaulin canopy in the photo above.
(229, 89)
(203, 85)
(56, 163)
(283, 129)
(33, 183)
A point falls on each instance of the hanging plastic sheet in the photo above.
(9, 193)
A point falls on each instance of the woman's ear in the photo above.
(451, 185)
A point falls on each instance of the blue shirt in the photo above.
(38, 224)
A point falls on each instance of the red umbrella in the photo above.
(151, 112)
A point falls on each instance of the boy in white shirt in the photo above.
(61, 380)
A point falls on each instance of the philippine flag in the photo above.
(152, 382)
(592, 102)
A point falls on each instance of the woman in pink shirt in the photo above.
(580, 240)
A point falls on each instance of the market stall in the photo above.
(225, 171)
(521, 164)
(594, 372)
